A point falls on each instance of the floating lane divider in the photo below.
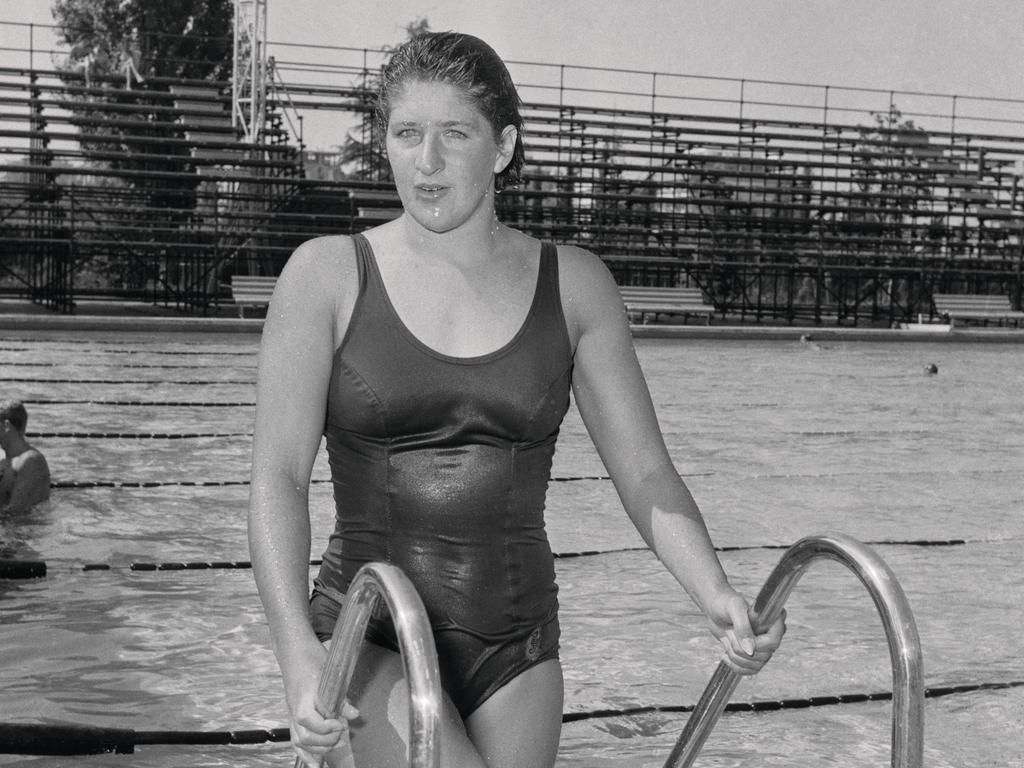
(149, 403)
(151, 483)
(134, 350)
(136, 366)
(80, 484)
(22, 569)
(85, 484)
(35, 569)
(179, 382)
(61, 739)
(767, 705)
(138, 435)
(70, 739)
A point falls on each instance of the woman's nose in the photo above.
(430, 159)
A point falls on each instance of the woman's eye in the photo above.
(455, 133)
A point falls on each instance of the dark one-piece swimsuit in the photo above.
(440, 466)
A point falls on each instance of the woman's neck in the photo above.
(473, 242)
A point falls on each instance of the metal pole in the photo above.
(900, 631)
(415, 641)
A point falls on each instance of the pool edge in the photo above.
(157, 323)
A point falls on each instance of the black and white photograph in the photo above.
(450, 384)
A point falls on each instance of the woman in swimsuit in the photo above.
(436, 353)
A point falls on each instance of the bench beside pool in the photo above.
(643, 302)
(252, 291)
(966, 306)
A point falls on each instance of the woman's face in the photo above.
(443, 155)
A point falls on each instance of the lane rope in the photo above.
(178, 382)
(85, 484)
(130, 351)
(562, 479)
(148, 403)
(136, 435)
(151, 483)
(32, 569)
(767, 705)
(211, 367)
(72, 739)
(876, 473)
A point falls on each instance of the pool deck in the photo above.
(129, 318)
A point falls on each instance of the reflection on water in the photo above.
(776, 441)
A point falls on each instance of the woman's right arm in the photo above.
(291, 395)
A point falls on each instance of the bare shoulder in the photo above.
(318, 265)
(590, 295)
(582, 270)
(317, 286)
(32, 462)
(34, 458)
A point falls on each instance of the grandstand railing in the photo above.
(783, 202)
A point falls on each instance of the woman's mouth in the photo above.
(430, 190)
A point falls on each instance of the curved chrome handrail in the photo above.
(900, 631)
(415, 641)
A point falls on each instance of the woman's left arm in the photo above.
(613, 399)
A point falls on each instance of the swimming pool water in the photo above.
(776, 440)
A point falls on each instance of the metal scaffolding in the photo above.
(250, 74)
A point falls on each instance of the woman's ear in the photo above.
(506, 148)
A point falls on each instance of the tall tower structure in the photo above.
(249, 78)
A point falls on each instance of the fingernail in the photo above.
(748, 646)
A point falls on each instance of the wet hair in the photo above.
(465, 62)
(14, 412)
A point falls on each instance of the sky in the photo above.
(946, 46)
(966, 47)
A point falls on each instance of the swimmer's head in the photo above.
(13, 412)
(931, 368)
(469, 64)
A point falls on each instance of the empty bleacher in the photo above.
(850, 218)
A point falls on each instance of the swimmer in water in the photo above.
(807, 341)
(24, 474)
(437, 354)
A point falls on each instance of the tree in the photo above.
(126, 51)
(892, 186)
(155, 38)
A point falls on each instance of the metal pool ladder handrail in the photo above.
(415, 641)
(900, 631)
